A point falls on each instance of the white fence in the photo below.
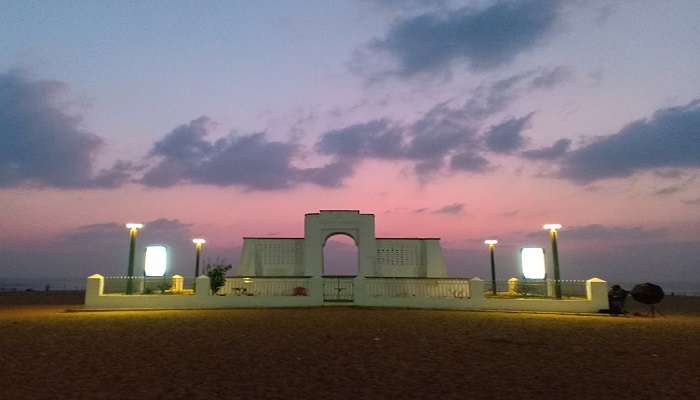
(266, 286)
(418, 287)
(439, 293)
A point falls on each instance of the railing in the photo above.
(146, 285)
(338, 288)
(266, 286)
(522, 288)
(418, 287)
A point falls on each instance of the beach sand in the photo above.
(345, 352)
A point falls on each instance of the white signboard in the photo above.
(532, 260)
(156, 260)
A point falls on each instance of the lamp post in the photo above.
(198, 243)
(555, 256)
(133, 232)
(492, 247)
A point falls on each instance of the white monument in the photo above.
(378, 257)
(288, 272)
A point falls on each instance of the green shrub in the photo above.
(216, 272)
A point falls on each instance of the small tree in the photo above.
(216, 272)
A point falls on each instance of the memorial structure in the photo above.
(391, 272)
(378, 257)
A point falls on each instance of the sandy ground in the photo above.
(343, 352)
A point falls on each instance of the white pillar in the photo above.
(476, 291)
(513, 285)
(359, 290)
(94, 288)
(203, 287)
(177, 284)
(597, 291)
(551, 288)
(317, 289)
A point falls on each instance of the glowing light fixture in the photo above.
(532, 262)
(555, 256)
(156, 260)
(551, 227)
(133, 232)
(198, 243)
(491, 242)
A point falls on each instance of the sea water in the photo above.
(41, 284)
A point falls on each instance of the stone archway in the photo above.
(340, 256)
(318, 227)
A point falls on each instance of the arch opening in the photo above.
(340, 256)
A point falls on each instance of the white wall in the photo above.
(272, 257)
(94, 298)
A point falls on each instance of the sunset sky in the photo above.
(463, 120)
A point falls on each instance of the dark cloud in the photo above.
(447, 134)
(441, 131)
(451, 209)
(426, 142)
(692, 202)
(558, 149)
(507, 136)
(250, 161)
(669, 139)
(41, 144)
(186, 142)
(481, 38)
(668, 190)
(109, 243)
(681, 186)
(469, 161)
(329, 175)
(606, 233)
(374, 139)
(112, 233)
(120, 173)
(669, 173)
(550, 78)
(626, 263)
(491, 98)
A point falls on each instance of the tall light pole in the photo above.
(555, 256)
(198, 243)
(133, 232)
(492, 247)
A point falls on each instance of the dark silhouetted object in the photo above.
(616, 298)
(648, 293)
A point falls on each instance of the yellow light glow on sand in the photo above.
(199, 241)
(552, 227)
(156, 260)
(491, 242)
(532, 260)
(133, 225)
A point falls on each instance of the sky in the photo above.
(463, 120)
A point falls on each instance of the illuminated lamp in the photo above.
(532, 262)
(156, 261)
